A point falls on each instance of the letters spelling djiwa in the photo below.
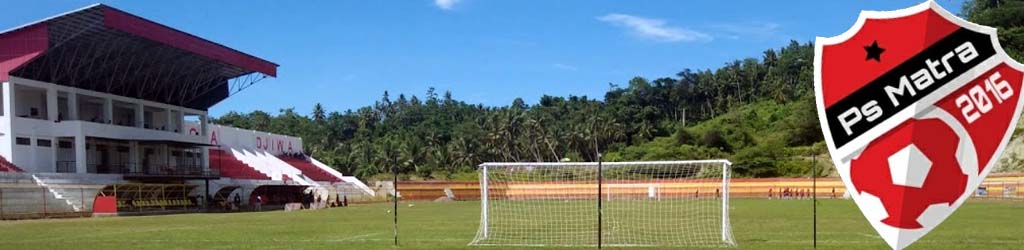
(916, 106)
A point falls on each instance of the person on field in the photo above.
(307, 200)
(259, 203)
(238, 202)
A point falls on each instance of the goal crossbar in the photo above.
(594, 164)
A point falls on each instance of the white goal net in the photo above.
(660, 203)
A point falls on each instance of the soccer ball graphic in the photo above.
(917, 164)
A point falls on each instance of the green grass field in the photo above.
(757, 224)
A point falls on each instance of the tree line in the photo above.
(438, 135)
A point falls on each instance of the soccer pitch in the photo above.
(756, 224)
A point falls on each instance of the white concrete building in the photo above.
(52, 128)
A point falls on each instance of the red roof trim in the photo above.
(120, 20)
(21, 46)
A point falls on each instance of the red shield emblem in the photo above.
(916, 106)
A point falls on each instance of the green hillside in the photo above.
(763, 139)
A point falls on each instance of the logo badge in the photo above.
(916, 106)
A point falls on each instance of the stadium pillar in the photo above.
(203, 123)
(140, 115)
(133, 155)
(51, 104)
(167, 122)
(180, 119)
(52, 114)
(72, 106)
(54, 154)
(8, 112)
(80, 154)
(175, 121)
(108, 111)
(165, 154)
(8, 98)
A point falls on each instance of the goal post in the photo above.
(652, 203)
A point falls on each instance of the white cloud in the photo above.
(763, 30)
(654, 29)
(446, 4)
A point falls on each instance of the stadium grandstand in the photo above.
(104, 111)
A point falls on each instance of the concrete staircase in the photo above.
(347, 179)
(62, 195)
(23, 197)
(34, 195)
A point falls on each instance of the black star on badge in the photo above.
(874, 52)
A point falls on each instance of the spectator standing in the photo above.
(238, 202)
(305, 200)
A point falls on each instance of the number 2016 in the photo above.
(976, 101)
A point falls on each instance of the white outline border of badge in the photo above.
(855, 146)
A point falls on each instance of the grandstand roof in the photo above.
(104, 49)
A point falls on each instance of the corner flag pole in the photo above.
(814, 196)
(600, 211)
(394, 184)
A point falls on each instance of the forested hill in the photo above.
(436, 135)
(758, 112)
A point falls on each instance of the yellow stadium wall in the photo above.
(997, 185)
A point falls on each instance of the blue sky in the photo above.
(345, 54)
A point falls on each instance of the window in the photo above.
(23, 141)
(43, 143)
